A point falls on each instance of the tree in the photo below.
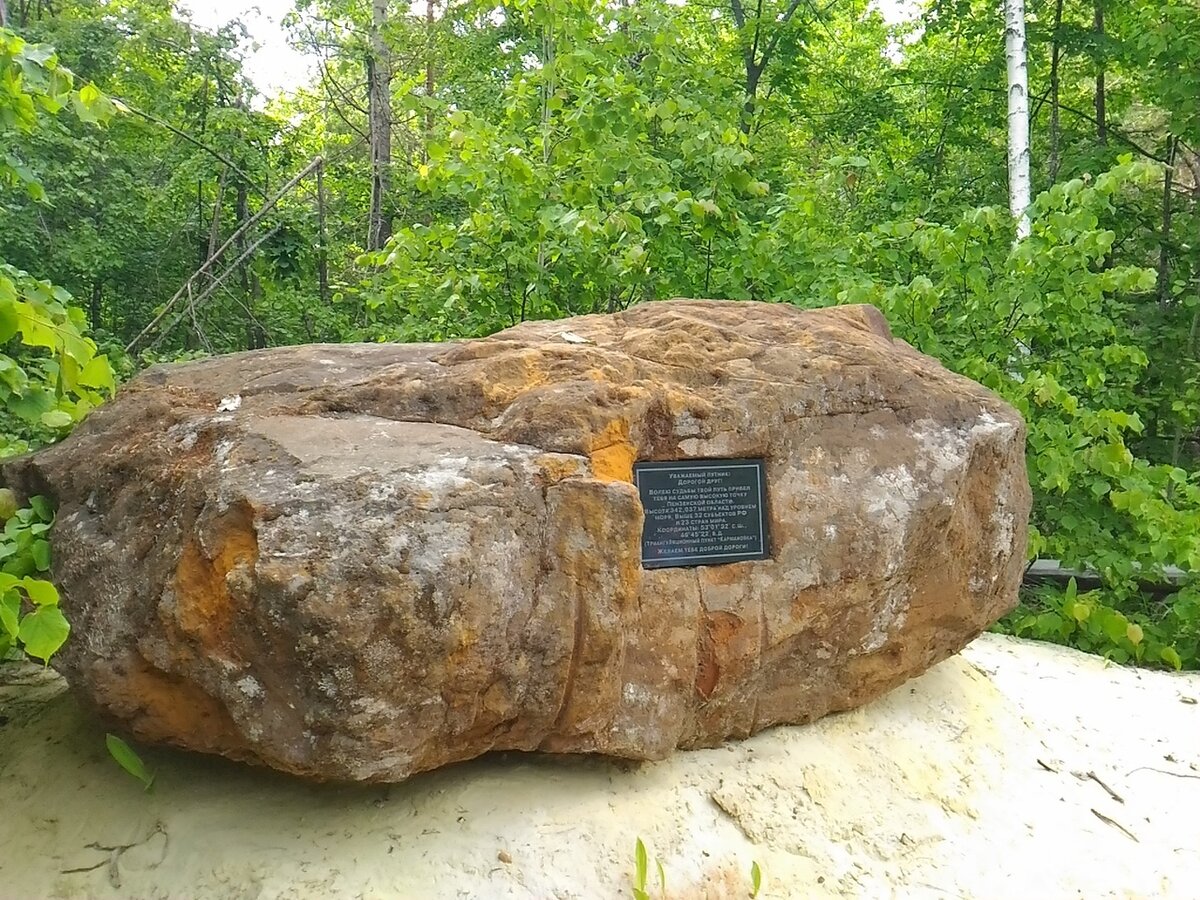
(1018, 114)
(379, 81)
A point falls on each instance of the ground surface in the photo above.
(971, 781)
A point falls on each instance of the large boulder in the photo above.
(365, 561)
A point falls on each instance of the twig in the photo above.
(1107, 821)
(1161, 772)
(83, 869)
(1111, 792)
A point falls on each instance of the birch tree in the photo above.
(1018, 114)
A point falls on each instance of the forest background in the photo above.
(457, 166)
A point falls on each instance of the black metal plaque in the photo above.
(703, 512)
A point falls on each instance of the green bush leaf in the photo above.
(42, 506)
(40, 591)
(40, 550)
(97, 374)
(10, 613)
(128, 759)
(43, 631)
(56, 418)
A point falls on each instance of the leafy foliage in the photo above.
(51, 375)
(1169, 637)
(1046, 325)
(29, 613)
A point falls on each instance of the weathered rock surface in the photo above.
(365, 561)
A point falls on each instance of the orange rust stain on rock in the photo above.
(719, 628)
(511, 374)
(612, 452)
(554, 469)
(163, 708)
(205, 607)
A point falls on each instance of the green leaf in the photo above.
(755, 879)
(56, 418)
(10, 612)
(1115, 626)
(41, 554)
(128, 759)
(97, 374)
(640, 864)
(9, 323)
(40, 591)
(42, 506)
(43, 631)
(1171, 657)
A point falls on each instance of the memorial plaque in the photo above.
(703, 512)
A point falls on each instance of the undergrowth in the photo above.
(1136, 628)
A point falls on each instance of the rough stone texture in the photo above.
(365, 561)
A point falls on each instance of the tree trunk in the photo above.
(1018, 115)
(1164, 250)
(214, 232)
(322, 247)
(753, 77)
(3, 14)
(1101, 100)
(1055, 127)
(761, 47)
(379, 114)
(428, 75)
(1189, 357)
(95, 310)
(243, 215)
(201, 243)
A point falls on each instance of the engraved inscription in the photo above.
(702, 512)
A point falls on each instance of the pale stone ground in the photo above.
(968, 782)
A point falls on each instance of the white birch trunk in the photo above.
(1018, 114)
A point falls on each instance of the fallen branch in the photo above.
(216, 283)
(1107, 821)
(1111, 792)
(203, 270)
